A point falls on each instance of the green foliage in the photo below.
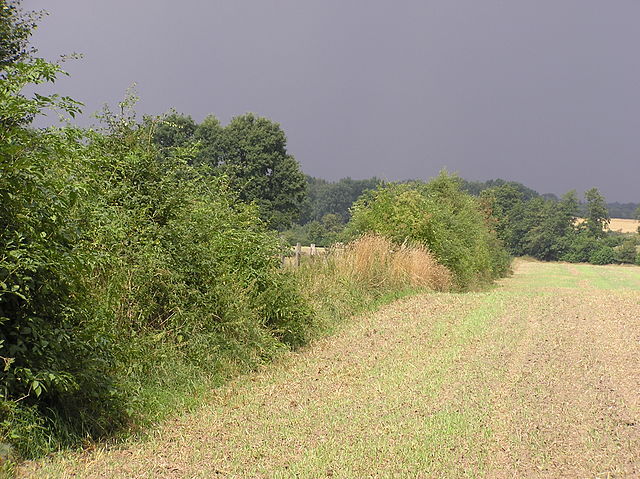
(321, 233)
(327, 209)
(211, 140)
(622, 210)
(476, 188)
(550, 223)
(125, 272)
(16, 26)
(627, 251)
(579, 247)
(597, 218)
(439, 215)
(260, 169)
(603, 255)
(250, 151)
(174, 130)
(50, 344)
(548, 229)
(535, 227)
(334, 198)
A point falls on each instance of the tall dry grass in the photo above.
(364, 274)
(376, 262)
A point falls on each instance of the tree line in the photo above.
(551, 230)
(528, 223)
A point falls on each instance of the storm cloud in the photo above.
(545, 92)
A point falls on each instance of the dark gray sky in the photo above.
(546, 92)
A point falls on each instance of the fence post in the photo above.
(312, 249)
(298, 251)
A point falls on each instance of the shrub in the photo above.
(440, 216)
(603, 255)
(627, 251)
(56, 357)
(127, 277)
(580, 247)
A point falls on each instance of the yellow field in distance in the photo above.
(620, 225)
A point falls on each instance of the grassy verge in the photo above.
(369, 272)
(371, 396)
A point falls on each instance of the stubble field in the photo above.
(622, 225)
(537, 377)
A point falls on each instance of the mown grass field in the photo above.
(537, 377)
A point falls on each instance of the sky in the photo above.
(545, 92)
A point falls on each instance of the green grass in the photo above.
(611, 277)
(577, 276)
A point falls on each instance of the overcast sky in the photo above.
(546, 92)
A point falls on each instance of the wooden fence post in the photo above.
(298, 251)
(312, 249)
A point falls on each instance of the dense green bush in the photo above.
(438, 214)
(603, 255)
(333, 198)
(627, 251)
(577, 247)
(125, 274)
(54, 351)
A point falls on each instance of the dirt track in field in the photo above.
(539, 377)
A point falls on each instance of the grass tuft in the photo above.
(376, 262)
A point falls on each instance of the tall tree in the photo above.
(597, 213)
(211, 142)
(174, 130)
(251, 151)
(261, 170)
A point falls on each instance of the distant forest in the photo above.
(327, 197)
(326, 209)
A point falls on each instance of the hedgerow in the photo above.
(122, 272)
(439, 215)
